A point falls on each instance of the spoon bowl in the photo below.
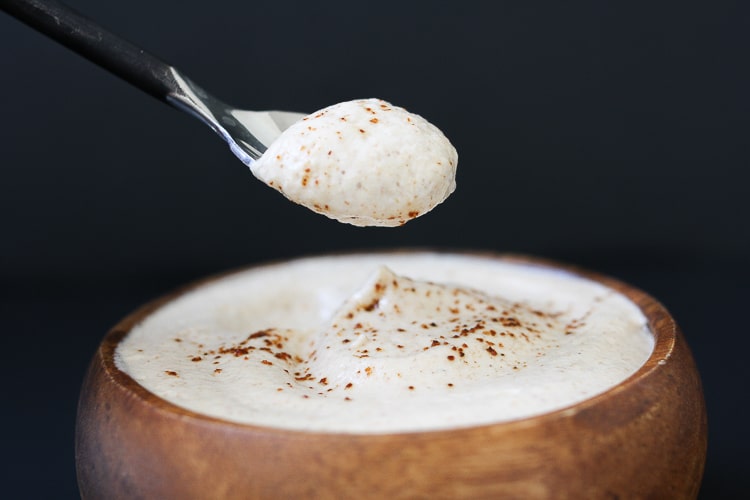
(248, 133)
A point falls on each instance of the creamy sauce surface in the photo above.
(364, 162)
(378, 343)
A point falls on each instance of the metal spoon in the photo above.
(248, 133)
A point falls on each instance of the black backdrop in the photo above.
(605, 134)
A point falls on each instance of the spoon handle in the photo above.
(93, 42)
(141, 69)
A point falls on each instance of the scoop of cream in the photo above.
(363, 162)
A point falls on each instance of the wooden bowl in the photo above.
(644, 438)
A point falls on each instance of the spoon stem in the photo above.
(93, 42)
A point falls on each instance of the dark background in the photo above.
(604, 134)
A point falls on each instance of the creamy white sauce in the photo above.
(363, 162)
(387, 343)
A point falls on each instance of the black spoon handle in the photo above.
(93, 42)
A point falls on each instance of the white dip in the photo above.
(372, 344)
(363, 162)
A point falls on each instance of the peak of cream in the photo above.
(364, 162)
(345, 344)
(433, 336)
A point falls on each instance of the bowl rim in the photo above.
(661, 324)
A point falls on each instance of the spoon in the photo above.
(248, 133)
(363, 162)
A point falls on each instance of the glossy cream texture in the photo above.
(363, 162)
(387, 343)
